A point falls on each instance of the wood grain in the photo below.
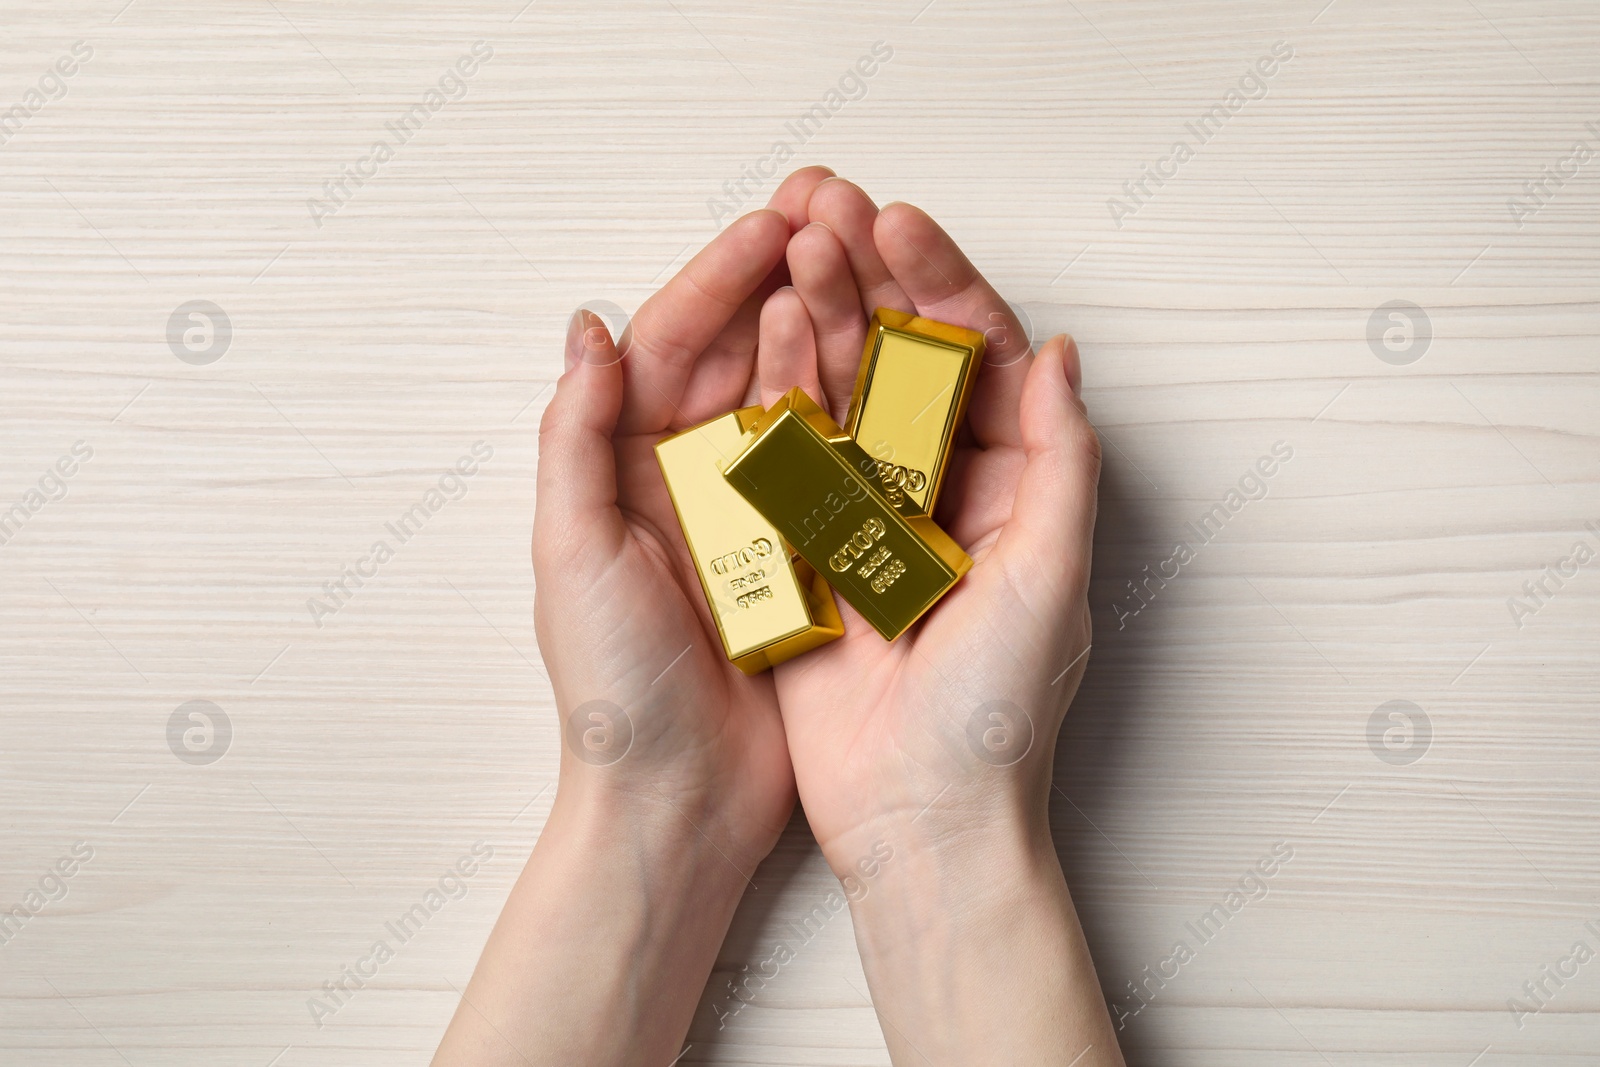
(1229, 312)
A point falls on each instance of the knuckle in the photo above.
(1084, 444)
(554, 544)
(550, 423)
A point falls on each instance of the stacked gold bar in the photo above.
(777, 506)
(825, 495)
(766, 608)
(910, 397)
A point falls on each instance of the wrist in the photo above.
(937, 877)
(973, 952)
(1003, 819)
(603, 948)
(696, 834)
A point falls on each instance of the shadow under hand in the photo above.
(1096, 801)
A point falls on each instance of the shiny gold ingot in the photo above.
(910, 397)
(767, 606)
(861, 532)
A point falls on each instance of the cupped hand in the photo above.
(653, 714)
(951, 728)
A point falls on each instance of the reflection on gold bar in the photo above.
(867, 537)
(910, 397)
(768, 608)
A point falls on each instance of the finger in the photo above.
(822, 277)
(791, 199)
(850, 214)
(677, 324)
(786, 355)
(1044, 545)
(724, 377)
(576, 508)
(794, 194)
(944, 285)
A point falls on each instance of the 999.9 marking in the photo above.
(755, 596)
(887, 577)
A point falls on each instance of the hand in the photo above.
(685, 781)
(924, 765)
(675, 781)
(881, 731)
(653, 712)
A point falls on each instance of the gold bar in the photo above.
(768, 607)
(910, 396)
(867, 536)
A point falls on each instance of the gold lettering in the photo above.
(890, 573)
(760, 548)
(874, 561)
(746, 580)
(755, 596)
(857, 543)
(894, 476)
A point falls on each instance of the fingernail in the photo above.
(595, 337)
(1070, 363)
(575, 328)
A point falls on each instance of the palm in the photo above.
(621, 617)
(880, 728)
(886, 721)
(660, 641)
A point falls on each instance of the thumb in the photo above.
(575, 509)
(1044, 547)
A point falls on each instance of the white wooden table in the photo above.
(359, 346)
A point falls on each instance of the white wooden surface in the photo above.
(1230, 312)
